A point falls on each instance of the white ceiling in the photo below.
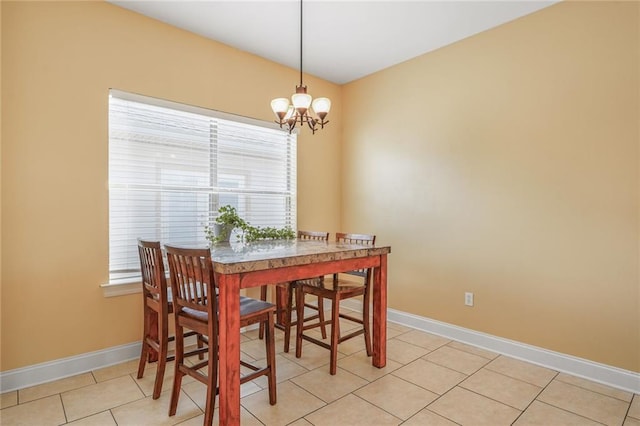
(343, 40)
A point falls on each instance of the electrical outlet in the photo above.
(468, 299)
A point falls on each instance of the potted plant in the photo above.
(226, 221)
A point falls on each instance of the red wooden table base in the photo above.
(304, 260)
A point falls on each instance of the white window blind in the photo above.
(171, 166)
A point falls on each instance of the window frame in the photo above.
(216, 173)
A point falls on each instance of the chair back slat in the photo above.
(154, 282)
(192, 279)
(360, 239)
(313, 235)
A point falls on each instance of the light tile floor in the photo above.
(428, 380)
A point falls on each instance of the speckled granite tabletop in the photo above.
(237, 257)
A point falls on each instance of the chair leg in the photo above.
(335, 334)
(143, 358)
(365, 322)
(212, 384)
(144, 353)
(287, 317)
(200, 343)
(163, 336)
(323, 326)
(263, 296)
(177, 375)
(271, 359)
(299, 320)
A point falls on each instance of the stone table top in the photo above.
(238, 257)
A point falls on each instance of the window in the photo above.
(171, 166)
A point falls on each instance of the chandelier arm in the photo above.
(312, 124)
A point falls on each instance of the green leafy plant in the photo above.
(252, 233)
(229, 220)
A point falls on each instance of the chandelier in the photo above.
(302, 110)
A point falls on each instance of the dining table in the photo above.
(241, 265)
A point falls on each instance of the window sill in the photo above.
(121, 287)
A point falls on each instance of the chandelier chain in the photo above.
(300, 42)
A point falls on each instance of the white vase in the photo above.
(222, 232)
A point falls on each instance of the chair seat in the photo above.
(250, 309)
(195, 314)
(339, 285)
(310, 281)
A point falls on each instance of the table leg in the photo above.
(282, 302)
(380, 313)
(229, 346)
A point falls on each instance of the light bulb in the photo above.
(280, 106)
(322, 105)
(301, 100)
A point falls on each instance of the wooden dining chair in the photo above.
(337, 289)
(157, 306)
(196, 308)
(284, 299)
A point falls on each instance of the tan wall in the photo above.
(507, 165)
(58, 62)
(0, 181)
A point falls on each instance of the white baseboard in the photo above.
(32, 375)
(601, 373)
(623, 379)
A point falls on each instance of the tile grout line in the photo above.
(138, 384)
(378, 407)
(598, 392)
(64, 412)
(343, 397)
(537, 395)
(311, 412)
(432, 412)
(495, 400)
(457, 371)
(438, 398)
(571, 412)
(492, 399)
(472, 353)
(519, 379)
(502, 402)
(194, 403)
(422, 387)
(629, 409)
(418, 386)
